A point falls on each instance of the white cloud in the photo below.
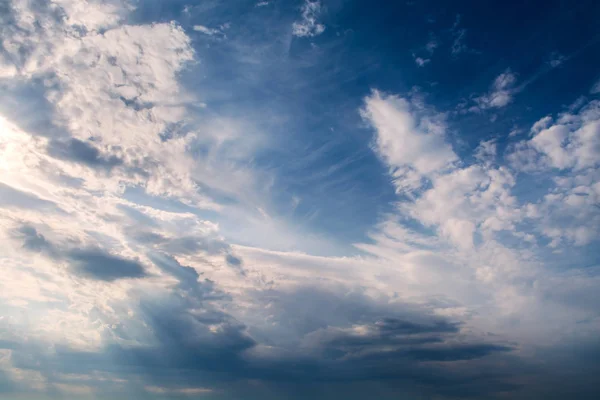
(429, 48)
(114, 92)
(409, 138)
(571, 144)
(431, 45)
(220, 31)
(204, 29)
(466, 211)
(486, 151)
(541, 124)
(573, 141)
(309, 25)
(421, 61)
(466, 198)
(500, 94)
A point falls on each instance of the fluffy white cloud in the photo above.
(571, 142)
(541, 124)
(409, 138)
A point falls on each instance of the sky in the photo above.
(324, 199)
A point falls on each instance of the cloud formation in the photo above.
(309, 25)
(153, 207)
(410, 138)
(500, 94)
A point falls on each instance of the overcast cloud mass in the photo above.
(312, 199)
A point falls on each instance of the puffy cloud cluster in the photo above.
(568, 150)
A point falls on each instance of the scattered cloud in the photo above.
(219, 32)
(309, 25)
(204, 29)
(429, 49)
(500, 94)
(556, 59)
(432, 45)
(421, 61)
(459, 37)
(569, 143)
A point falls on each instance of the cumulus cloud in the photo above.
(471, 210)
(410, 138)
(571, 144)
(309, 25)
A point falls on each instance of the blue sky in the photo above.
(299, 199)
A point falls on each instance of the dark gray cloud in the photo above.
(34, 241)
(100, 265)
(405, 355)
(82, 152)
(6, 384)
(184, 274)
(314, 344)
(233, 260)
(93, 263)
(198, 344)
(194, 244)
(188, 277)
(147, 237)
